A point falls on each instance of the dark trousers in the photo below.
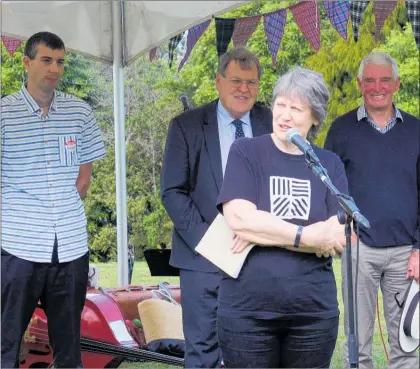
(61, 289)
(199, 291)
(258, 343)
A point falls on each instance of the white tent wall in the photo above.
(115, 32)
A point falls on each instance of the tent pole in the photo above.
(119, 126)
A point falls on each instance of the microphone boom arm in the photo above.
(346, 202)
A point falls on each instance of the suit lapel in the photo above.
(211, 134)
(259, 126)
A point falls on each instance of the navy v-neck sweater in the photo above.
(382, 175)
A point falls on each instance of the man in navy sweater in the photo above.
(379, 146)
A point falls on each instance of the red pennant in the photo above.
(382, 9)
(152, 54)
(306, 16)
(11, 44)
(244, 28)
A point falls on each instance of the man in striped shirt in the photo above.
(49, 141)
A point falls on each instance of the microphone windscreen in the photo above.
(290, 133)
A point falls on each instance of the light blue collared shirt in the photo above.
(227, 131)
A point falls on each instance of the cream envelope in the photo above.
(216, 246)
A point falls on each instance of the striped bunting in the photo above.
(382, 9)
(338, 12)
(357, 8)
(11, 44)
(413, 14)
(172, 45)
(152, 54)
(194, 33)
(224, 31)
(274, 28)
(306, 16)
(244, 28)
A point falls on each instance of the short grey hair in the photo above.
(241, 55)
(378, 58)
(308, 86)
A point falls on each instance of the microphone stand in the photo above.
(346, 215)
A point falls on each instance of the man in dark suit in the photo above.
(195, 157)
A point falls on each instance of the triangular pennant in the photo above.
(11, 44)
(306, 17)
(413, 14)
(382, 9)
(194, 34)
(357, 8)
(224, 31)
(274, 27)
(244, 28)
(338, 12)
(152, 54)
(173, 43)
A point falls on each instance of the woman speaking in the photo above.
(282, 310)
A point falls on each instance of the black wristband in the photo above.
(298, 234)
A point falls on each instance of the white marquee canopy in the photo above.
(115, 32)
(87, 26)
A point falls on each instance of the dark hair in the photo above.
(42, 38)
(243, 56)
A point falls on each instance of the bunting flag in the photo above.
(224, 31)
(173, 43)
(338, 12)
(382, 9)
(274, 28)
(357, 8)
(11, 44)
(413, 14)
(152, 54)
(244, 28)
(306, 16)
(194, 34)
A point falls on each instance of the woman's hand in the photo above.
(239, 244)
(326, 238)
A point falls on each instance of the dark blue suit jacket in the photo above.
(191, 178)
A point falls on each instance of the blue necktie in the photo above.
(239, 132)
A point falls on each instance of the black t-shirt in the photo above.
(276, 282)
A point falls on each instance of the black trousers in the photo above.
(61, 289)
(199, 292)
(275, 343)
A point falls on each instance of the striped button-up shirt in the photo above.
(363, 114)
(40, 164)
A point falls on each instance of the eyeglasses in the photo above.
(237, 82)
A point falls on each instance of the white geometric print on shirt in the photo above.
(290, 198)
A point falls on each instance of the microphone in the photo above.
(294, 137)
(346, 202)
(184, 101)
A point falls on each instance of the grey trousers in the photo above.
(384, 267)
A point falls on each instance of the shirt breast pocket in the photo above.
(68, 150)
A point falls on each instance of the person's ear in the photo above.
(26, 62)
(218, 79)
(359, 84)
(398, 81)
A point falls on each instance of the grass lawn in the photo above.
(141, 275)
